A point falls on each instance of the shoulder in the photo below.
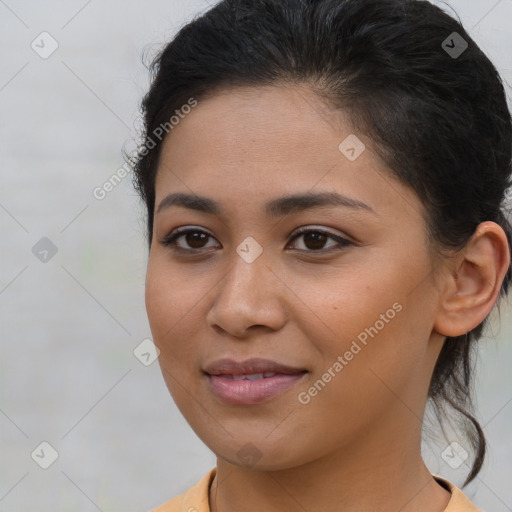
(459, 502)
(194, 499)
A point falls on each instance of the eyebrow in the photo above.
(275, 208)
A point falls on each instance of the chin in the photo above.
(259, 454)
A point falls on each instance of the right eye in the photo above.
(194, 238)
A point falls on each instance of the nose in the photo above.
(250, 295)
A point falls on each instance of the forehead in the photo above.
(251, 144)
(270, 110)
(253, 131)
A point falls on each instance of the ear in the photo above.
(472, 286)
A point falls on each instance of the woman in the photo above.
(324, 182)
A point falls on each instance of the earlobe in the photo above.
(472, 288)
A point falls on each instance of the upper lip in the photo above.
(249, 366)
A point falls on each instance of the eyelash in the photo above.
(170, 240)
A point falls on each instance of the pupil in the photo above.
(193, 238)
(318, 240)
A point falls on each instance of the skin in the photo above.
(356, 445)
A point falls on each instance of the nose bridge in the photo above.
(247, 294)
(249, 272)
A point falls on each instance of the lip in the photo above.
(255, 365)
(233, 391)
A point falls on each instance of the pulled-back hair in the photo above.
(438, 120)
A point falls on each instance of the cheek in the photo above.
(344, 305)
(177, 307)
(169, 303)
(169, 298)
(167, 306)
(159, 304)
(372, 320)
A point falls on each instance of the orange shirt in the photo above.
(196, 498)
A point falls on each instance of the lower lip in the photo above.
(247, 392)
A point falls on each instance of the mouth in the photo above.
(252, 381)
(251, 376)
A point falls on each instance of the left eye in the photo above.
(313, 240)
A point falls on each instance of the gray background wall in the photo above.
(69, 325)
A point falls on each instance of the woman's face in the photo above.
(339, 319)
